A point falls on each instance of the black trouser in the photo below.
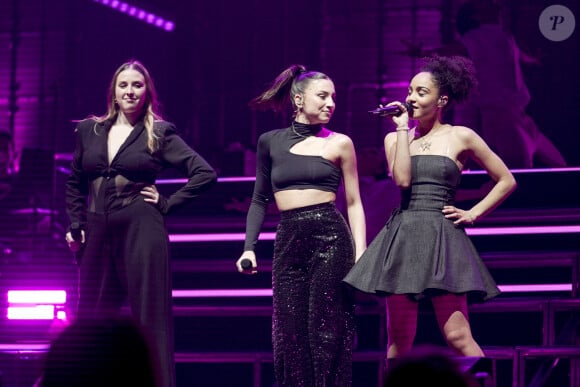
(126, 259)
(313, 322)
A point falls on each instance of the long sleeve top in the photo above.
(95, 185)
(278, 169)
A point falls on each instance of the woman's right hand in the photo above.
(251, 257)
(74, 245)
(402, 119)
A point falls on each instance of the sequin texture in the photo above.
(313, 321)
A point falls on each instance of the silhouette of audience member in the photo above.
(110, 352)
(426, 367)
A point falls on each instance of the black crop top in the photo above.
(278, 169)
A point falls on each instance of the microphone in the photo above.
(77, 235)
(75, 231)
(392, 110)
(246, 264)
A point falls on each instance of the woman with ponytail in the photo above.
(301, 168)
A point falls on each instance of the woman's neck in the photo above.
(425, 127)
(305, 130)
(127, 119)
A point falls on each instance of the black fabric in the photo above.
(126, 254)
(111, 187)
(419, 252)
(313, 321)
(279, 169)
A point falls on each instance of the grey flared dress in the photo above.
(419, 252)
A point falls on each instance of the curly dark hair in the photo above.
(454, 75)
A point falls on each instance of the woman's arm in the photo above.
(355, 210)
(397, 151)
(261, 197)
(505, 182)
(200, 175)
(77, 185)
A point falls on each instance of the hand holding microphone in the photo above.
(76, 232)
(246, 264)
(390, 110)
(75, 237)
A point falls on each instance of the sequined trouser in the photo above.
(313, 321)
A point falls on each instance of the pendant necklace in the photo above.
(296, 133)
(425, 142)
(424, 145)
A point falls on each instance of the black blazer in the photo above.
(96, 186)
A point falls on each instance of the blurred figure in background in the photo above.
(497, 109)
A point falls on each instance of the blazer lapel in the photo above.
(133, 136)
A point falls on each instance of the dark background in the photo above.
(57, 59)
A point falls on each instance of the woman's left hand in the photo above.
(151, 194)
(460, 216)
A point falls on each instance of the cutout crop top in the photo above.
(278, 169)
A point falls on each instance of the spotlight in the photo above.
(36, 305)
(138, 13)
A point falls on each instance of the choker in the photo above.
(305, 130)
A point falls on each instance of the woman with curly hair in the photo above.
(423, 251)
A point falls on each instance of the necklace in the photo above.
(299, 134)
(424, 145)
(296, 133)
(425, 142)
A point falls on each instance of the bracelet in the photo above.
(402, 129)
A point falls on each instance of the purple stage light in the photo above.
(37, 312)
(226, 293)
(270, 236)
(21, 348)
(138, 13)
(61, 315)
(533, 288)
(237, 293)
(55, 297)
(225, 237)
(236, 179)
(572, 229)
